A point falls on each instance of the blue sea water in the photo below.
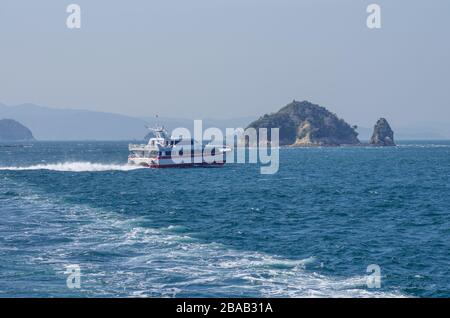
(310, 230)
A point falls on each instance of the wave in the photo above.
(75, 167)
(120, 257)
(424, 145)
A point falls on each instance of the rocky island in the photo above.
(382, 134)
(11, 130)
(304, 124)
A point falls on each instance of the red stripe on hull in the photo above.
(188, 165)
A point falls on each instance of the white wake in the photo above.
(75, 167)
(154, 262)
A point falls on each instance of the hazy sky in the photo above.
(229, 58)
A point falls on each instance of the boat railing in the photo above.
(137, 147)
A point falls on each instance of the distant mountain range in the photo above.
(69, 124)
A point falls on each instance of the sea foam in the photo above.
(75, 167)
(120, 257)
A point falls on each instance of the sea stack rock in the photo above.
(303, 124)
(382, 134)
(11, 130)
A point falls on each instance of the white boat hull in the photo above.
(186, 161)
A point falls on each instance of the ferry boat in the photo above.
(163, 151)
